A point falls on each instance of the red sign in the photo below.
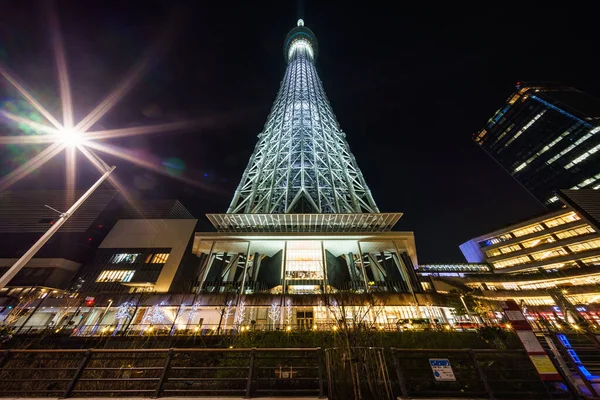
(530, 342)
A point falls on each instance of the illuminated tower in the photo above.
(302, 220)
(302, 162)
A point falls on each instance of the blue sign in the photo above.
(442, 370)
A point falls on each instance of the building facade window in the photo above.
(304, 260)
(528, 230)
(542, 255)
(591, 261)
(510, 249)
(115, 276)
(157, 258)
(575, 232)
(538, 241)
(495, 240)
(511, 261)
(305, 319)
(592, 244)
(563, 219)
(124, 258)
(493, 253)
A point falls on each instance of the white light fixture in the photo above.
(70, 137)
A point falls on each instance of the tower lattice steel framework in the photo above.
(302, 162)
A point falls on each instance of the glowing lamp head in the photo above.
(70, 137)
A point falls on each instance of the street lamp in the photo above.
(21, 262)
(71, 136)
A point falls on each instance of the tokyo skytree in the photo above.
(302, 162)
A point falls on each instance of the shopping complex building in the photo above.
(547, 263)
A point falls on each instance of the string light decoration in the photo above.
(240, 315)
(275, 314)
(288, 312)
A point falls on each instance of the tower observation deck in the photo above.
(302, 162)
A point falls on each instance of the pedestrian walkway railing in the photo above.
(580, 358)
(262, 372)
(481, 373)
(162, 372)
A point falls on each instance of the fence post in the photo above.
(481, 374)
(320, 362)
(250, 373)
(163, 374)
(399, 374)
(78, 371)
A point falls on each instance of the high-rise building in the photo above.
(547, 136)
(304, 191)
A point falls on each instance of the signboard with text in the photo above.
(442, 370)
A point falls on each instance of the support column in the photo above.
(325, 277)
(242, 286)
(206, 267)
(362, 264)
(408, 281)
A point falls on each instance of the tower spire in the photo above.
(302, 162)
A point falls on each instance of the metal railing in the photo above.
(481, 373)
(107, 330)
(162, 372)
(580, 356)
(255, 372)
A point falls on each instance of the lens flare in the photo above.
(71, 136)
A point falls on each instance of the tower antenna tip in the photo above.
(300, 22)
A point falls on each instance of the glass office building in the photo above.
(547, 136)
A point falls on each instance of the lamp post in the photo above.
(46, 236)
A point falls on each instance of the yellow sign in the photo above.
(543, 364)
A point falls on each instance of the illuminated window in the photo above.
(574, 145)
(563, 219)
(582, 157)
(575, 232)
(528, 230)
(511, 261)
(158, 258)
(587, 181)
(510, 249)
(304, 260)
(513, 99)
(510, 286)
(538, 241)
(495, 240)
(592, 244)
(124, 258)
(493, 253)
(542, 151)
(115, 276)
(542, 255)
(525, 128)
(591, 261)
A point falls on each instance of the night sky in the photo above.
(409, 86)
